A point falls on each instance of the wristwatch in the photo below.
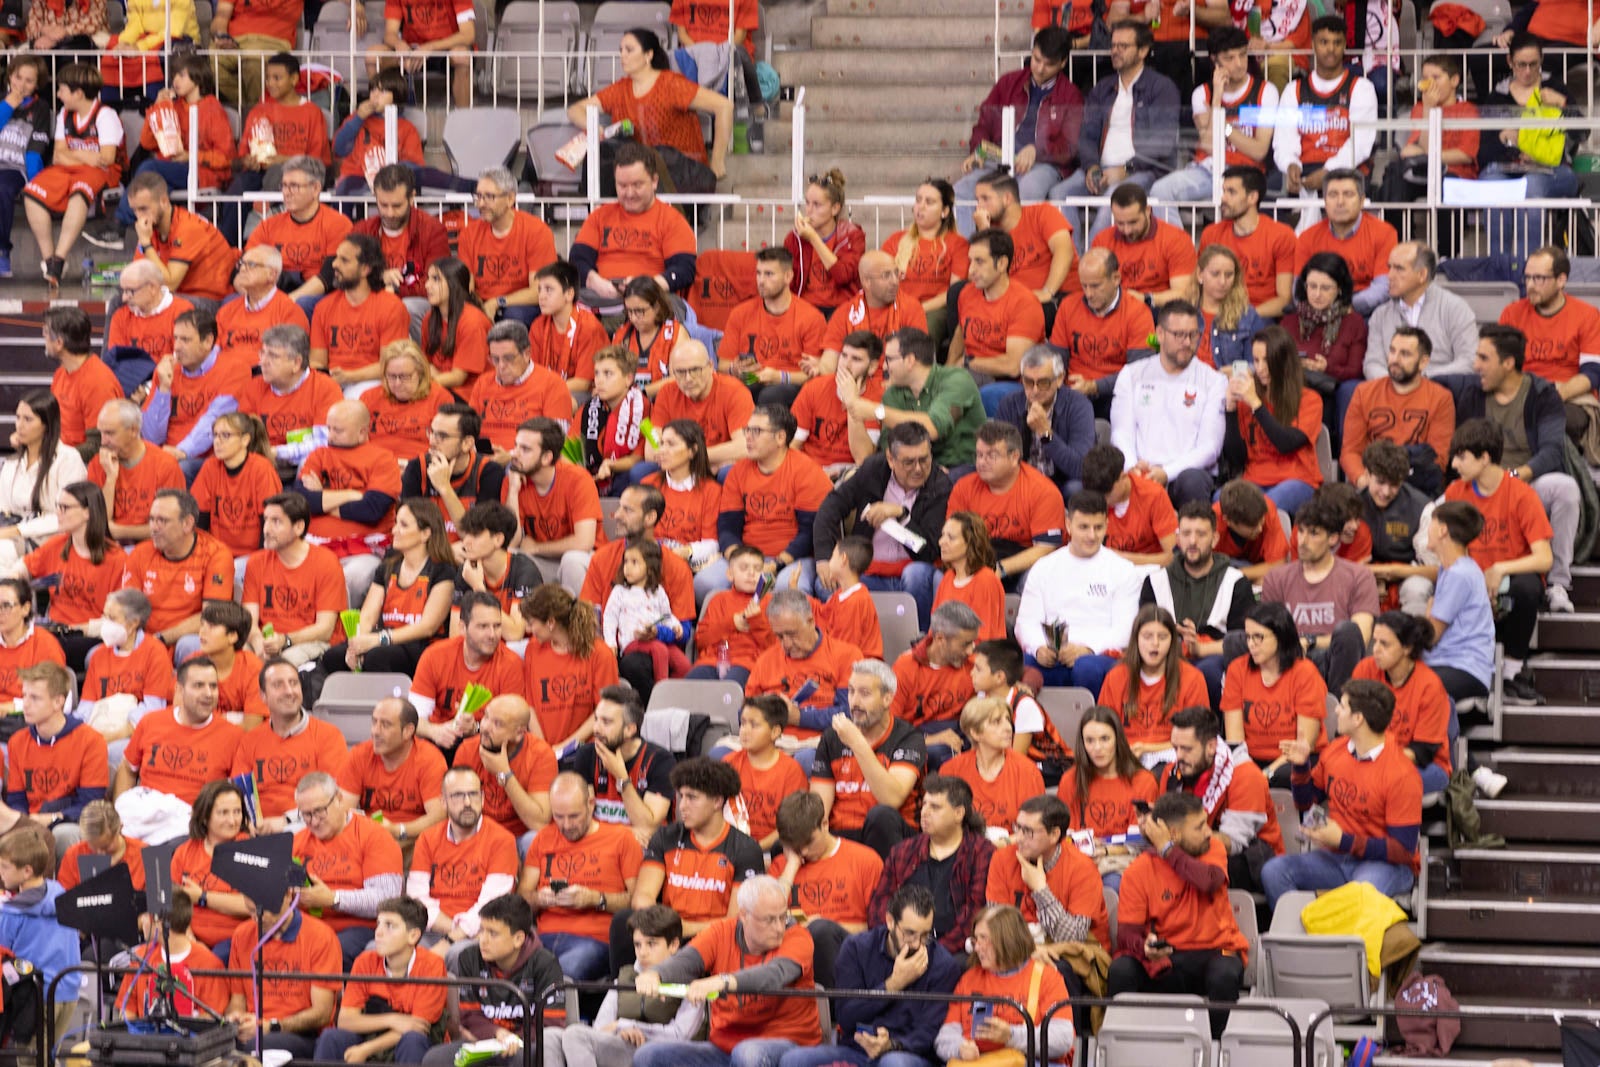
(501, 304)
(287, 640)
(878, 412)
(401, 833)
(274, 1026)
(503, 777)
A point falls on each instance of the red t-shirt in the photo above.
(457, 869)
(291, 598)
(1074, 881)
(1366, 251)
(36, 646)
(778, 341)
(1266, 252)
(502, 265)
(1097, 345)
(292, 129)
(1030, 239)
(360, 850)
(1559, 343)
(631, 245)
(1000, 800)
(931, 266)
(314, 950)
(1150, 263)
(723, 411)
(606, 859)
(533, 764)
(1421, 709)
(239, 329)
(144, 672)
(300, 409)
(1109, 809)
(1272, 713)
(304, 245)
(770, 502)
(1154, 895)
(1151, 720)
(661, 117)
(1264, 464)
(399, 795)
(736, 1019)
(572, 498)
(365, 467)
(1139, 523)
(541, 394)
(1029, 512)
(838, 886)
(55, 770)
(761, 791)
(178, 588)
(354, 337)
(137, 485)
(563, 688)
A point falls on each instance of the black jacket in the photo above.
(1544, 418)
(841, 509)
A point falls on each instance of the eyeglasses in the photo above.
(1027, 831)
(225, 435)
(456, 798)
(481, 197)
(9, 605)
(435, 435)
(690, 372)
(1525, 64)
(754, 431)
(297, 186)
(1038, 383)
(1254, 639)
(310, 815)
(70, 504)
(911, 461)
(1181, 335)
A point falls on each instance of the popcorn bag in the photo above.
(163, 121)
(263, 142)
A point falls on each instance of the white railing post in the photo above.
(1435, 170)
(997, 39)
(539, 70)
(1219, 151)
(194, 154)
(1008, 135)
(391, 134)
(731, 47)
(797, 151)
(591, 120)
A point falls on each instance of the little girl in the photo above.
(638, 616)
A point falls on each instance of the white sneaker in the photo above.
(1489, 783)
(1559, 600)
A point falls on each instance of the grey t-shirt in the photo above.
(1348, 590)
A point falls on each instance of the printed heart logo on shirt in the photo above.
(1104, 813)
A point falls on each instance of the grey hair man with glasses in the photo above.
(1056, 424)
(352, 864)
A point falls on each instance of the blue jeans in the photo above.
(753, 1052)
(11, 183)
(921, 580)
(1034, 186)
(175, 174)
(1076, 186)
(583, 959)
(850, 1053)
(708, 672)
(995, 393)
(807, 569)
(1322, 869)
(1289, 495)
(333, 1044)
(1089, 672)
(1433, 778)
(1191, 183)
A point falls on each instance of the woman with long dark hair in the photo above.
(1424, 724)
(930, 255)
(455, 331)
(1273, 421)
(216, 819)
(1151, 682)
(651, 331)
(688, 526)
(967, 556)
(564, 647)
(31, 480)
(1100, 790)
(87, 563)
(1273, 693)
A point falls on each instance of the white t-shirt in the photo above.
(1117, 147)
(107, 129)
(1095, 598)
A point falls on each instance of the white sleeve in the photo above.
(1122, 427)
(109, 126)
(1030, 613)
(1286, 133)
(1197, 103)
(496, 885)
(61, 125)
(420, 889)
(1363, 113)
(1029, 717)
(424, 705)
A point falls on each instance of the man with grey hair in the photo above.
(1056, 424)
(240, 323)
(735, 959)
(288, 395)
(353, 865)
(803, 665)
(933, 679)
(128, 471)
(143, 315)
(307, 232)
(1415, 300)
(868, 763)
(503, 248)
(518, 389)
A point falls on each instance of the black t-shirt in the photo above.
(650, 769)
(935, 874)
(481, 481)
(403, 605)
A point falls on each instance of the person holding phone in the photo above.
(1001, 966)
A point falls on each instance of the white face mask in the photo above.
(113, 634)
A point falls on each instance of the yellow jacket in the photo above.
(146, 28)
(1357, 908)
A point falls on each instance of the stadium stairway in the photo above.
(1520, 926)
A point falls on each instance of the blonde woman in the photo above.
(406, 400)
(1001, 777)
(1227, 321)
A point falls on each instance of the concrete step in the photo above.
(864, 67)
(1566, 679)
(919, 32)
(864, 174)
(1586, 586)
(1554, 724)
(926, 102)
(1535, 818)
(1519, 873)
(1556, 773)
(1461, 1056)
(922, 9)
(1543, 978)
(888, 136)
(1567, 633)
(1543, 921)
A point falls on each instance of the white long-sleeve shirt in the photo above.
(17, 480)
(630, 609)
(1097, 598)
(1363, 113)
(1171, 421)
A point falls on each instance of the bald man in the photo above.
(579, 872)
(879, 308)
(351, 486)
(145, 318)
(516, 768)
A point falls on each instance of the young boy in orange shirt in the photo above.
(849, 614)
(735, 618)
(367, 1022)
(766, 774)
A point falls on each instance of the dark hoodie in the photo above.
(486, 1011)
(71, 806)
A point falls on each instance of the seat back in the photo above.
(1244, 915)
(1111, 912)
(1257, 1039)
(1013, 605)
(1288, 819)
(1065, 706)
(613, 19)
(545, 139)
(897, 617)
(1486, 299)
(1171, 1032)
(348, 697)
(711, 697)
(1330, 471)
(1316, 967)
(1331, 716)
(524, 75)
(477, 138)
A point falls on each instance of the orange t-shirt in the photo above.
(541, 394)
(1155, 896)
(290, 598)
(190, 398)
(1030, 512)
(426, 1002)
(1264, 464)
(1150, 264)
(1074, 881)
(770, 503)
(240, 690)
(839, 886)
(606, 859)
(1367, 796)
(928, 694)
(175, 758)
(563, 688)
(194, 241)
(1109, 809)
(1012, 988)
(502, 265)
(458, 869)
(984, 594)
(570, 352)
(1030, 237)
(1000, 800)
(264, 18)
(880, 322)
(304, 245)
(550, 516)
(354, 336)
(360, 850)
(36, 646)
(1513, 519)
(191, 860)
(1139, 523)
(1247, 791)
(722, 413)
(1377, 412)
(1269, 546)
(314, 950)
(932, 265)
(761, 791)
(280, 762)
(738, 1018)
(850, 615)
(661, 117)
(822, 418)
(707, 20)
(778, 341)
(716, 629)
(1557, 343)
(534, 765)
(144, 672)
(45, 772)
(986, 325)
(1272, 713)
(631, 245)
(365, 467)
(401, 794)
(1452, 140)
(239, 328)
(1096, 345)
(300, 409)
(402, 428)
(1266, 252)
(177, 588)
(471, 352)
(371, 149)
(292, 129)
(69, 875)
(1151, 720)
(1366, 251)
(828, 665)
(235, 499)
(442, 676)
(606, 562)
(137, 485)
(1421, 709)
(690, 514)
(81, 394)
(80, 594)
